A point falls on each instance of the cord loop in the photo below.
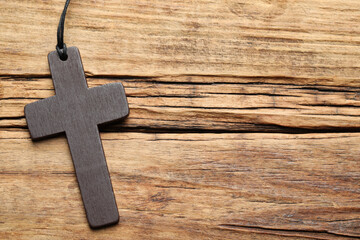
(62, 52)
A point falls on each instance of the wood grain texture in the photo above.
(302, 38)
(191, 185)
(208, 104)
(244, 118)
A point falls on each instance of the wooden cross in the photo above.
(77, 110)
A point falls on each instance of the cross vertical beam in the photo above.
(92, 175)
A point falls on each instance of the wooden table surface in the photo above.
(244, 118)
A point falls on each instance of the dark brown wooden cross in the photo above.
(77, 110)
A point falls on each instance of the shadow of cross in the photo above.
(77, 110)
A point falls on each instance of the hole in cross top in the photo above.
(63, 57)
(62, 52)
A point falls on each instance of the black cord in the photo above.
(61, 46)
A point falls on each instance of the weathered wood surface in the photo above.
(190, 186)
(315, 40)
(244, 119)
(207, 105)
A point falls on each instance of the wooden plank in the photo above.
(207, 105)
(303, 40)
(192, 66)
(254, 185)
